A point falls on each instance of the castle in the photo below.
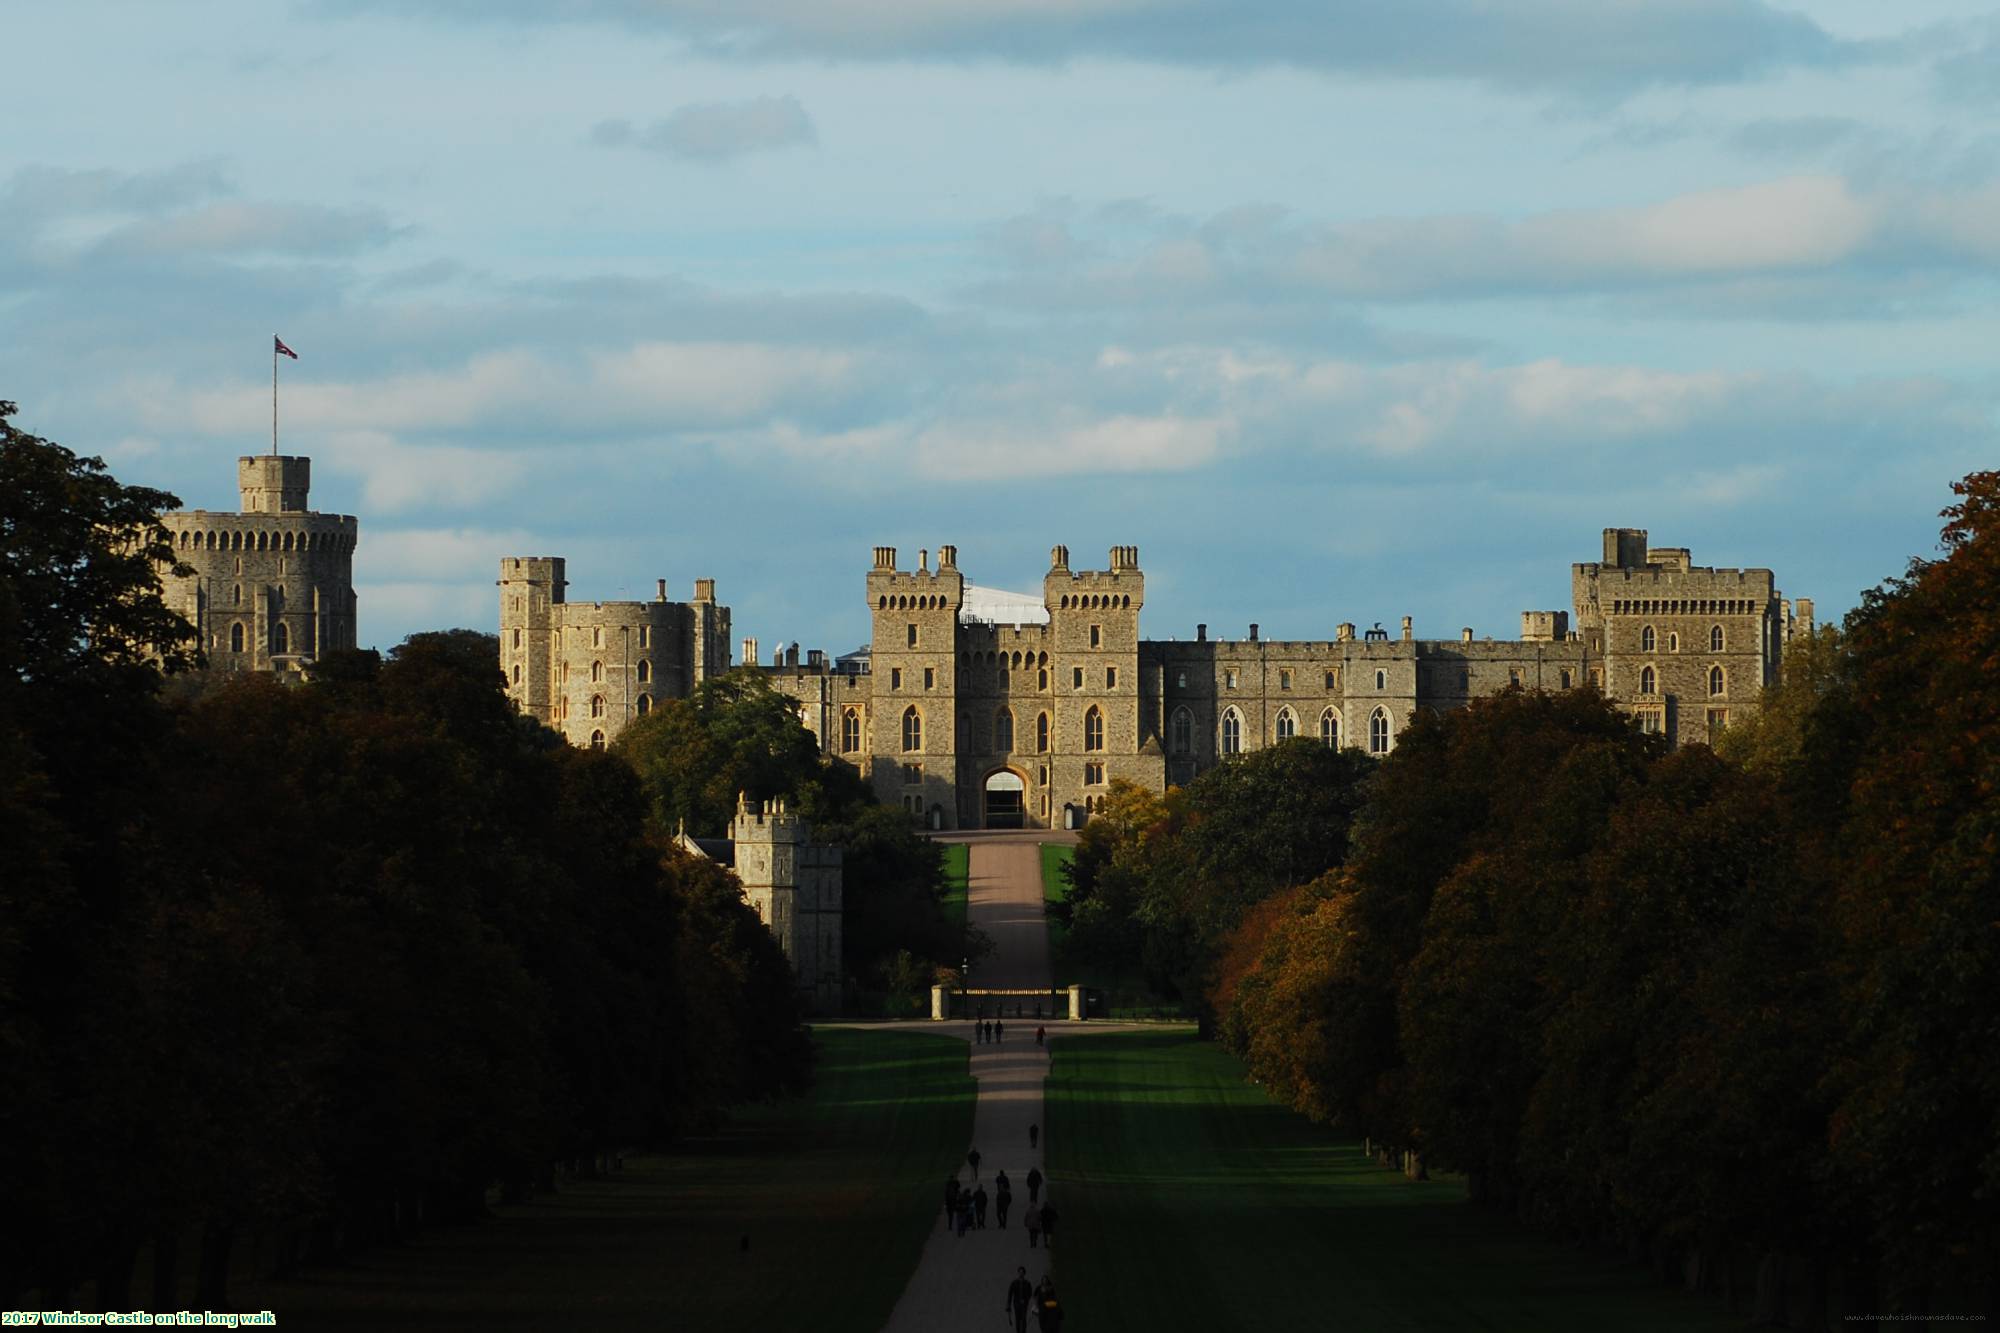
(794, 885)
(973, 707)
(271, 587)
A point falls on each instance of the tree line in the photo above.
(322, 964)
(1735, 1011)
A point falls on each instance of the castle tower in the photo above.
(914, 719)
(272, 587)
(1100, 728)
(531, 587)
(795, 887)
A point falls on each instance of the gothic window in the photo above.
(1093, 775)
(1042, 679)
(596, 671)
(1329, 728)
(930, 678)
(597, 740)
(1381, 680)
(1180, 680)
(1715, 639)
(236, 595)
(597, 636)
(1003, 731)
(645, 636)
(1284, 679)
(895, 678)
(913, 729)
(1332, 680)
(1288, 726)
(281, 638)
(1716, 681)
(1378, 731)
(1111, 678)
(850, 731)
(645, 704)
(1229, 680)
(1232, 733)
(1076, 678)
(1042, 733)
(517, 673)
(1647, 640)
(1673, 643)
(597, 705)
(645, 670)
(1647, 681)
(1093, 730)
(1096, 636)
(1565, 679)
(517, 639)
(1183, 731)
(236, 638)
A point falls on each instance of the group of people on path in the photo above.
(965, 1206)
(995, 1031)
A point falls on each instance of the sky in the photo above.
(1339, 311)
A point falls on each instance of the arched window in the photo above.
(1716, 680)
(1329, 727)
(1648, 640)
(281, 638)
(597, 636)
(1183, 731)
(1042, 733)
(1003, 731)
(645, 670)
(1288, 726)
(1715, 639)
(1647, 680)
(517, 638)
(913, 729)
(236, 595)
(596, 672)
(1232, 733)
(850, 731)
(1378, 731)
(1093, 730)
(517, 673)
(597, 705)
(645, 704)
(1381, 680)
(236, 638)
(597, 740)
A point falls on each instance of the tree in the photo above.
(734, 735)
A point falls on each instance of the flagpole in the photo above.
(274, 398)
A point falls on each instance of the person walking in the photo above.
(978, 1033)
(1034, 1134)
(950, 1200)
(1048, 1224)
(999, 1031)
(964, 1214)
(1033, 1220)
(1034, 1184)
(1040, 1032)
(1048, 1309)
(972, 1158)
(1003, 1198)
(979, 1208)
(1020, 1299)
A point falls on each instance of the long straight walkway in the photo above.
(962, 1281)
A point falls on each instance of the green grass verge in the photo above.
(835, 1191)
(1055, 856)
(957, 881)
(1190, 1200)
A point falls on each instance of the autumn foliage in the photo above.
(1739, 1013)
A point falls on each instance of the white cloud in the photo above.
(441, 554)
(396, 476)
(418, 606)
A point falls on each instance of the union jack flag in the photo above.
(278, 348)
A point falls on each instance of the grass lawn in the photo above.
(957, 881)
(834, 1190)
(1190, 1200)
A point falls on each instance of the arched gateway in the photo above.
(1005, 799)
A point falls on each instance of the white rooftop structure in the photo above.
(997, 606)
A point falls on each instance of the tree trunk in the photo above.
(166, 1268)
(212, 1278)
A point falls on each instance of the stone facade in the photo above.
(588, 668)
(971, 707)
(795, 886)
(272, 587)
(967, 696)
